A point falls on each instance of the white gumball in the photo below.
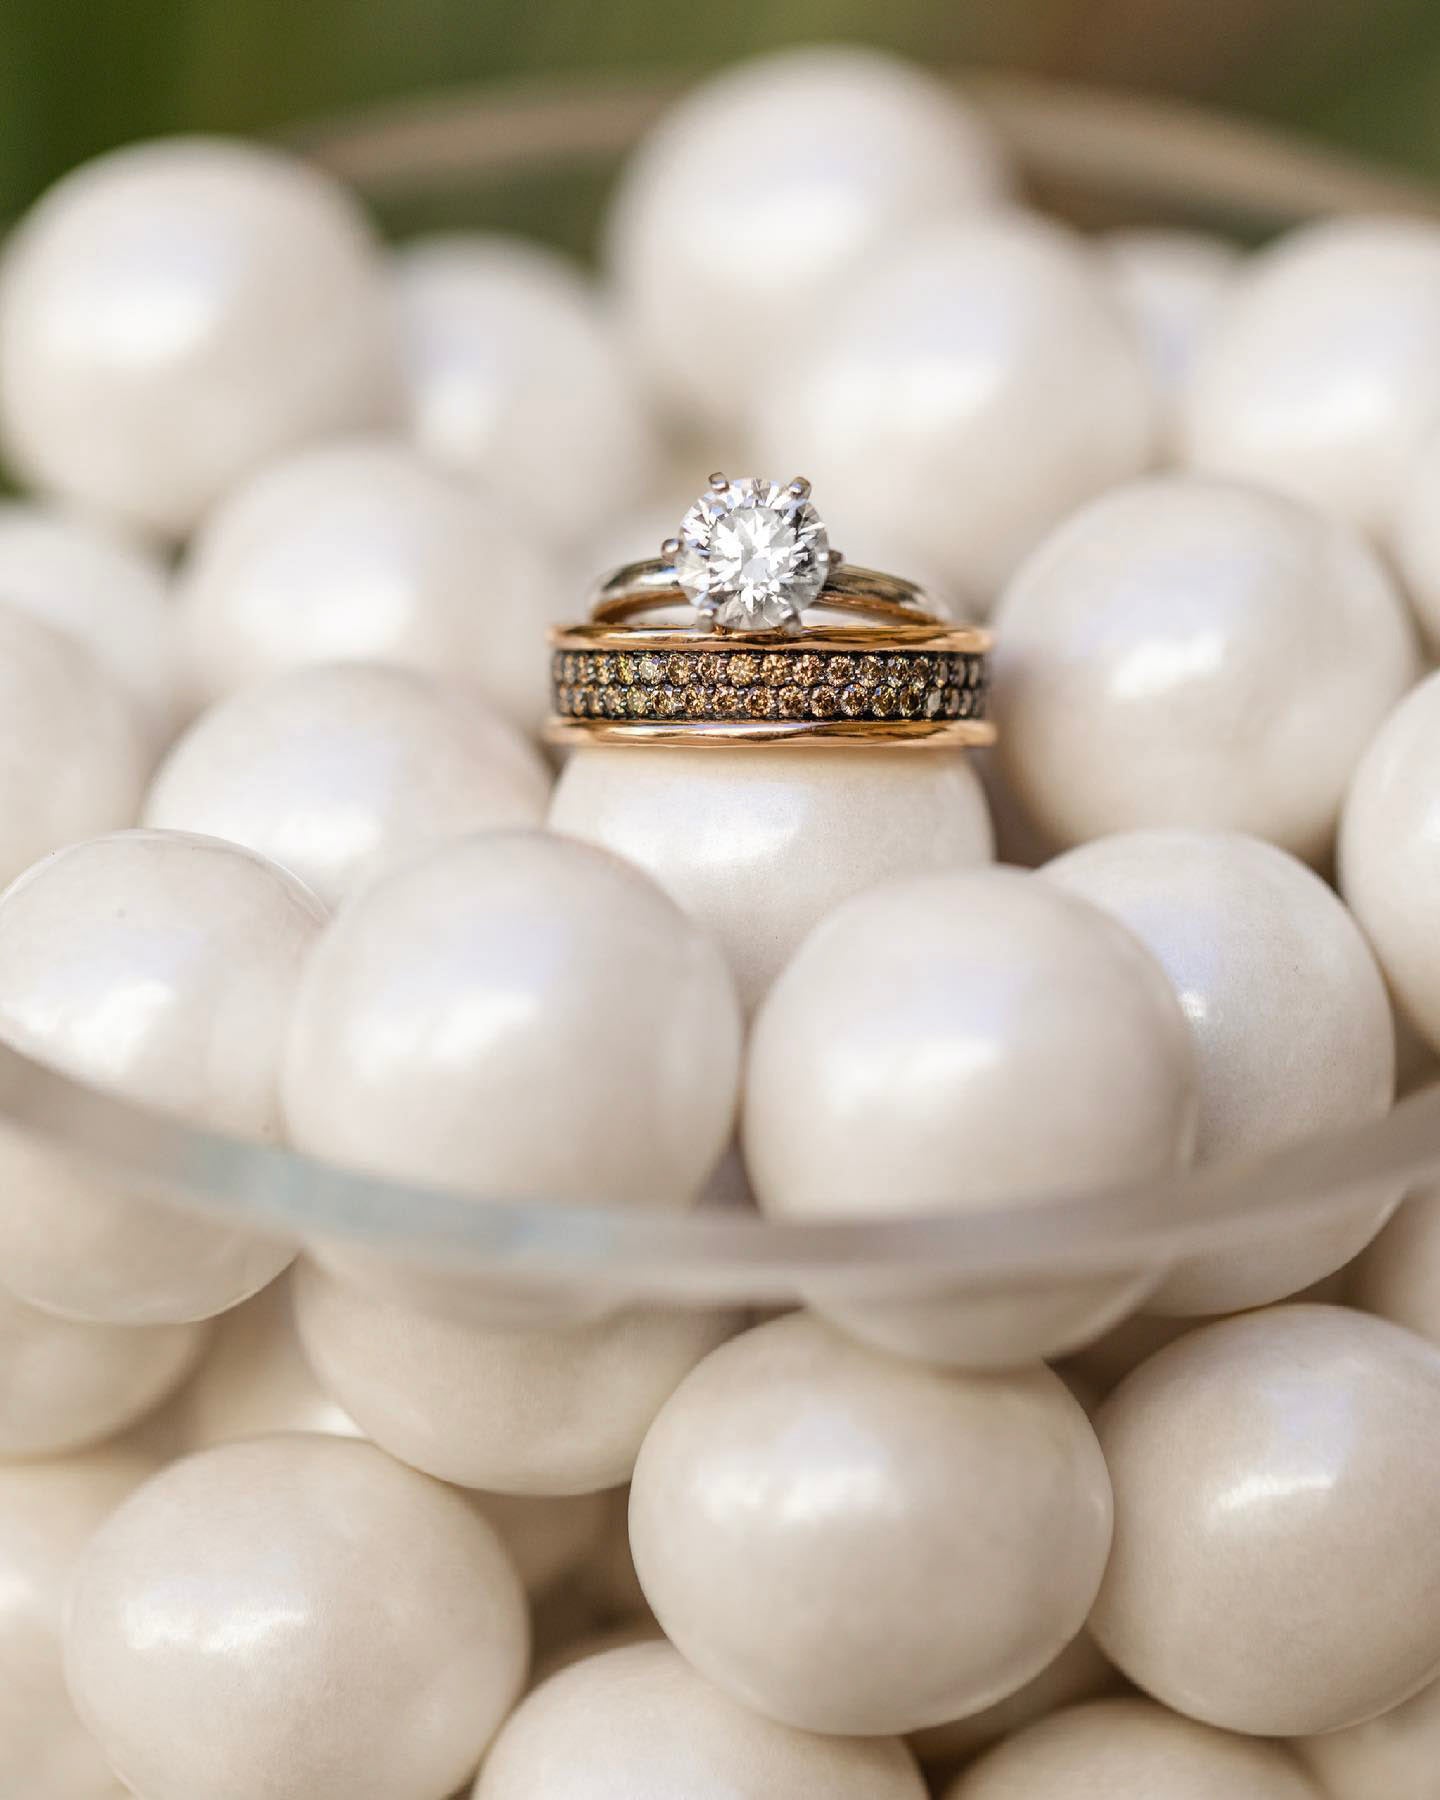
(1292, 1027)
(174, 313)
(515, 378)
(340, 771)
(974, 389)
(1189, 651)
(1389, 854)
(1172, 284)
(717, 277)
(343, 1626)
(65, 1384)
(161, 967)
(519, 1016)
(638, 1722)
(96, 586)
(1276, 1478)
(1322, 375)
(361, 551)
(48, 1513)
(75, 752)
(761, 844)
(1131, 1750)
(956, 1043)
(516, 1411)
(850, 1543)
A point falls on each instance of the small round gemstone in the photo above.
(806, 669)
(604, 669)
(695, 701)
(651, 668)
(571, 668)
(726, 703)
(841, 669)
(760, 703)
(678, 669)
(794, 702)
(743, 670)
(872, 669)
(775, 670)
(625, 664)
(640, 702)
(668, 703)
(824, 703)
(854, 701)
(912, 699)
(707, 668)
(886, 700)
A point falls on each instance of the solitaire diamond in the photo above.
(752, 554)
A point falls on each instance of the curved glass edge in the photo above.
(716, 1255)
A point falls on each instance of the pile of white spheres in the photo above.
(288, 1516)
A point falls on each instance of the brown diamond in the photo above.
(727, 703)
(760, 702)
(743, 670)
(872, 669)
(854, 701)
(899, 668)
(794, 702)
(775, 669)
(679, 669)
(823, 703)
(695, 701)
(564, 699)
(707, 668)
(952, 702)
(841, 669)
(651, 668)
(934, 703)
(625, 663)
(604, 670)
(667, 703)
(886, 700)
(806, 669)
(572, 668)
(912, 699)
(640, 702)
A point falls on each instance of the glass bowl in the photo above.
(1093, 157)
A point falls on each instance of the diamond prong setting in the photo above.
(753, 553)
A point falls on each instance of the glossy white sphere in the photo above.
(361, 551)
(975, 388)
(75, 752)
(96, 586)
(341, 771)
(173, 313)
(1132, 1750)
(64, 1384)
(515, 378)
(1172, 284)
(798, 1498)
(1389, 854)
(48, 1513)
(1322, 375)
(1292, 1028)
(640, 1723)
(523, 1017)
(850, 148)
(162, 967)
(1187, 651)
(347, 1629)
(511, 1410)
(1276, 1482)
(955, 1043)
(760, 844)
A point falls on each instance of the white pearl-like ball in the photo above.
(1292, 1028)
(1321, 376)
(515, 378)
(523, 1017)
(507, 1409)
(974, 389)
(1393, 1757)
(1172, 285)
(64, 1383)
(640, 1722)
(798, 1498)
(162, 967)
(760, 844)
(48, 1513)
(75, 752)
(96, 586)
(1389, 854)
(344, 1627)
(957, 1042)
(173, 313)
(1186, 651)
(1277, 1477)
(340, 771)
(1132, 1750)
(361, 551)
(718, 277)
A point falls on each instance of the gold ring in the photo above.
(753, 558)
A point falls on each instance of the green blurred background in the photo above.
(77, 76)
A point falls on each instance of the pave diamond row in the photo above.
(696, 685)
